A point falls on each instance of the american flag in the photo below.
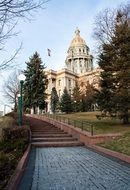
(49, 52)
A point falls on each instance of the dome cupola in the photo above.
(77, 40)
(78, 59)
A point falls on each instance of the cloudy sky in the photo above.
(53, 28)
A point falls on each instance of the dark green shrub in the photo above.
(15, 133)
(13, 143)
(17, 145)
(8, 163)
(10, 153)
(6, 133)
(7, 166)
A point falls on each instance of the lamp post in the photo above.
(19, 110)
(20, 99)
(75, 105)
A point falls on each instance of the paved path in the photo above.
(73, 168)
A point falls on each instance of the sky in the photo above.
(53, 27)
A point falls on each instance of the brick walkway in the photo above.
(73, 168)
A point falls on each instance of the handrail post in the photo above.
(91, 130)
(82, 125)
(74, 123)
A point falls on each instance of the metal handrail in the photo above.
(73, 122)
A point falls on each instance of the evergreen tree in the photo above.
(89, 97)
(65, 102)
(35, 83)
(76, 97)
(114, 60)
(54, 100)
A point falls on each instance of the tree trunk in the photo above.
(34, 110)
(126, 118)
(15, 107)
(15, 104)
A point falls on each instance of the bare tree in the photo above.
(11, 12)
(104, 26)
(11, 89)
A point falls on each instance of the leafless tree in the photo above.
(11, 12)
(11, 89)
(104, 26)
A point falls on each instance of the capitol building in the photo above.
(78, 68)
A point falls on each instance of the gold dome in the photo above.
(77, 40)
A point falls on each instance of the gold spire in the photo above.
(77, 40)
(77, 31)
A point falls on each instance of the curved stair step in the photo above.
(57, 144)
(50, 132)
(50, 135)
(54, 139)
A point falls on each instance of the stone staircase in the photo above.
(47, 135)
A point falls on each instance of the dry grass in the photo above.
(6, 122)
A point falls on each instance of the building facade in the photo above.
(78, 68)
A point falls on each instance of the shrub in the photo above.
(17, 145)
(13, 143)
(7, 167)
(15, 133)
(8, 163)
(6, 122)
(10, 153)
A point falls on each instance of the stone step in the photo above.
(57, 144)
(43, 129)
(54, 139)
(40, 128)
(50, 135)
(48, 132)
(33, 134)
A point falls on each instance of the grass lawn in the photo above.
(103, 126)
(121, 144)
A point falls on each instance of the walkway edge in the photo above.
(16, 177)
(111, 153)
(84, 137)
